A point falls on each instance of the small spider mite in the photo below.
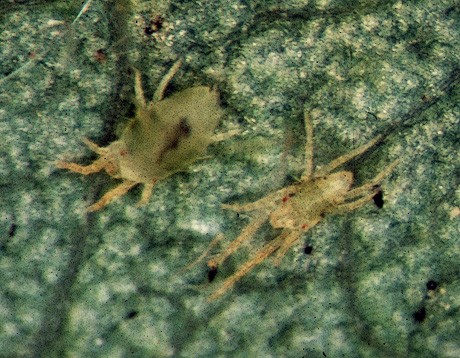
(299, 207)
(165, 136)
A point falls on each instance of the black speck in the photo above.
(431, 285)
(452, 9)
(308, 250)
(212, 274)
(158, 23)
(372, 114)
(420, 315)
(149, 30)
(12, 230)
(378, 199)
(154, 26)
(132, 314)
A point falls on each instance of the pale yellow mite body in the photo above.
(164, 138)
(298, 208)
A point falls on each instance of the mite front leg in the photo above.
(308, 147)
(369, 185)
(115, 193)
(95, 167)
(268, 203)
(146, 193)
(158, 96)
(347, 157)
(95, 148)
(139, 92)
(353, 205)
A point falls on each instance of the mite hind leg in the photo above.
(256, 258)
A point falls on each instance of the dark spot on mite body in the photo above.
(184, 130)
(174, 144)
(212, 273)
(184, 127)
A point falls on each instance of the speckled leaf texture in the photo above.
(381, 281)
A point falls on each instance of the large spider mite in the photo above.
(298, 208)
(165, 136)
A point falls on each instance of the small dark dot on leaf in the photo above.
(154, 26)
(420, 315)
(12, 230)
(149, 30)
(132, 314)
(378, 199)
(212, 274)
(308, 249)
(431, 285)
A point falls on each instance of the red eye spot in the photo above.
(285, 199)
(124, 153)
(304, 226)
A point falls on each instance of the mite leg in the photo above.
(246, 234)
(158, 96)
(342, 208)
(94, 167)
(268, 203)
(369, 185)
(224, 136)
(289, 241)
(95, 148)
(146, 193)
(139, 92)
(112, 194)
(203, 255)
(258, 257)
(308, 147)
(347, 157)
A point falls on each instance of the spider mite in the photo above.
(164, 137)
(299, 207)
